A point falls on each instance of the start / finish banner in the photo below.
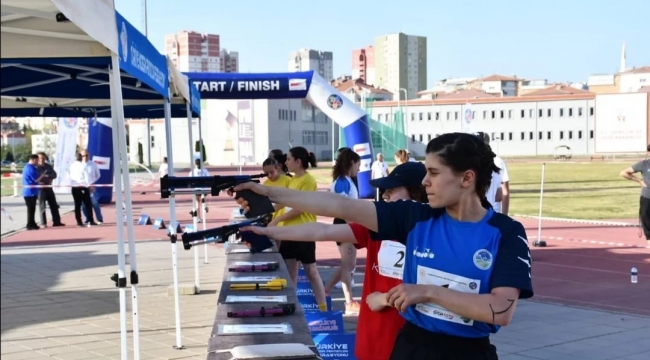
(298, 85)
(252, 86)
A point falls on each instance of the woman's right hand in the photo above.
(377, 301)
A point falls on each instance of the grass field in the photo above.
(571, 190)
(6, 190)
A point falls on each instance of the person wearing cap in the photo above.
(378, 323)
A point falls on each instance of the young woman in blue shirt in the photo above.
(465, 266)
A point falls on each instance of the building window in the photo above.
(484, 114)
(493, 114)
(455, 115)
(421, 116)
(541, 113)
(501, 113)
(509, 114)
(540, 136)
(530, 113)
(523, 114)
(502, 137)
(591, 111)
(570, 112)
(509, 136)
(421, 138)
(437, 116)
(591, 134)
(530, 136)
(429, 137)
(429, 116)
(412, 116)
(579, 134)
(523, 136)
(448, 115)
(570, 135)
(561, 135)
(379, 117)
(579, 111)
(413, 138)
(561, 112)
(549, 135)
(549, 112)
(153, 142)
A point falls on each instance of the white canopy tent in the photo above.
(62, 32)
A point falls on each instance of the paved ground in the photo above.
(58, 303)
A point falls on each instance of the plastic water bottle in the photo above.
(635, 275)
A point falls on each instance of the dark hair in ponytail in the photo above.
(280, 159)
(344, 163)
(462, 152)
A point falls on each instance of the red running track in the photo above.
(584, 264)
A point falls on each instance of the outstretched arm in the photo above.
(307, 232)
(318, 202)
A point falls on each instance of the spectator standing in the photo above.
(642, 167)
(31, 177)
(93, 174)
(80, 192)
(46, 194)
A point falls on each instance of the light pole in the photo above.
(406, 112)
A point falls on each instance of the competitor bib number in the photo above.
(391, 259)
(429, 276)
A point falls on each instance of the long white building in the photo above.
(239, 132)
(532, 125)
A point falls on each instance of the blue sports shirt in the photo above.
(462, 256)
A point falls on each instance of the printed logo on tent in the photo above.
(124, 39)
(70, 123)
(334, 102)
(102, 162)
(297, 84)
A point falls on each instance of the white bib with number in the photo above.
(429, 276)
(391, 259)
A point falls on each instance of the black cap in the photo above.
(484, 136)
(407, 174)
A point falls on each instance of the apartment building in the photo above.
(308, 59)
(363, 64)
(401, 64)
(195, 52)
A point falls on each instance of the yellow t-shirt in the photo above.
(306, 182)
(282, 181)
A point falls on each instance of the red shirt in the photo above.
(377, 331)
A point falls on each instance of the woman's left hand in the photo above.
(404, 295)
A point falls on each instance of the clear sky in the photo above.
(560, 40)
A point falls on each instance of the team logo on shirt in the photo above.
(483, 259)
